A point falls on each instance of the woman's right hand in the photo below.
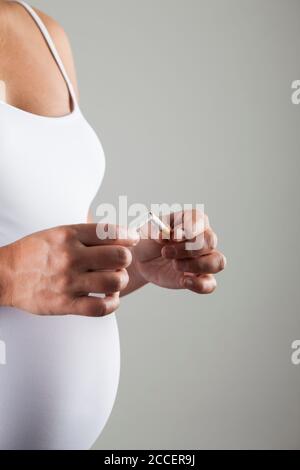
(54, 271)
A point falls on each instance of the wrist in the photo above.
(6, 277)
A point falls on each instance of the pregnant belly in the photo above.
(59, 381)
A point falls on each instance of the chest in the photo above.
(50, 169)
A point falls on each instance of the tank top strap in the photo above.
(52, 48)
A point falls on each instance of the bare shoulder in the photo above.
(11, 13)
(56, 31)
(62, 43)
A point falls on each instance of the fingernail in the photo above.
(169, 251)
(188, 283)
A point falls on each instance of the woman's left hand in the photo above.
(187, 264)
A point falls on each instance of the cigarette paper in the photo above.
(151, 217)
(159, 223)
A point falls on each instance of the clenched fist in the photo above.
(54, 272)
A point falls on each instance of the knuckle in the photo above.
(116, 282)
(207, 286)
(94, 309)
(67, 260)
(206, 265)
(211, 289)
(199, 243)
(124, 256)
(222, 261)
(212, 240)
(65, 235)
(121, 280)
(207, 289)
(101, 309)
(111, 307)
(64, 282)
(214, 263)
(124, 279)
(201, 287)
(117, 305)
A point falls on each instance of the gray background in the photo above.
(198, 95)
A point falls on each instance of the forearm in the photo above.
(5, 275)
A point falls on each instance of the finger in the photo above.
(204, 244)
(101, 282)
(208, 264)
(105, 257)
(188, 224)
(106, 234)
(205, 284)
(95, 307)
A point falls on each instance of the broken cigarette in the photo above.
(151, 217)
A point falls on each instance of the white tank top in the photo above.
(61, 375)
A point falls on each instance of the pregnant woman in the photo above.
(61, 372)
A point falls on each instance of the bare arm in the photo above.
(5, 275)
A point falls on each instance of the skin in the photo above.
(52, 272)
